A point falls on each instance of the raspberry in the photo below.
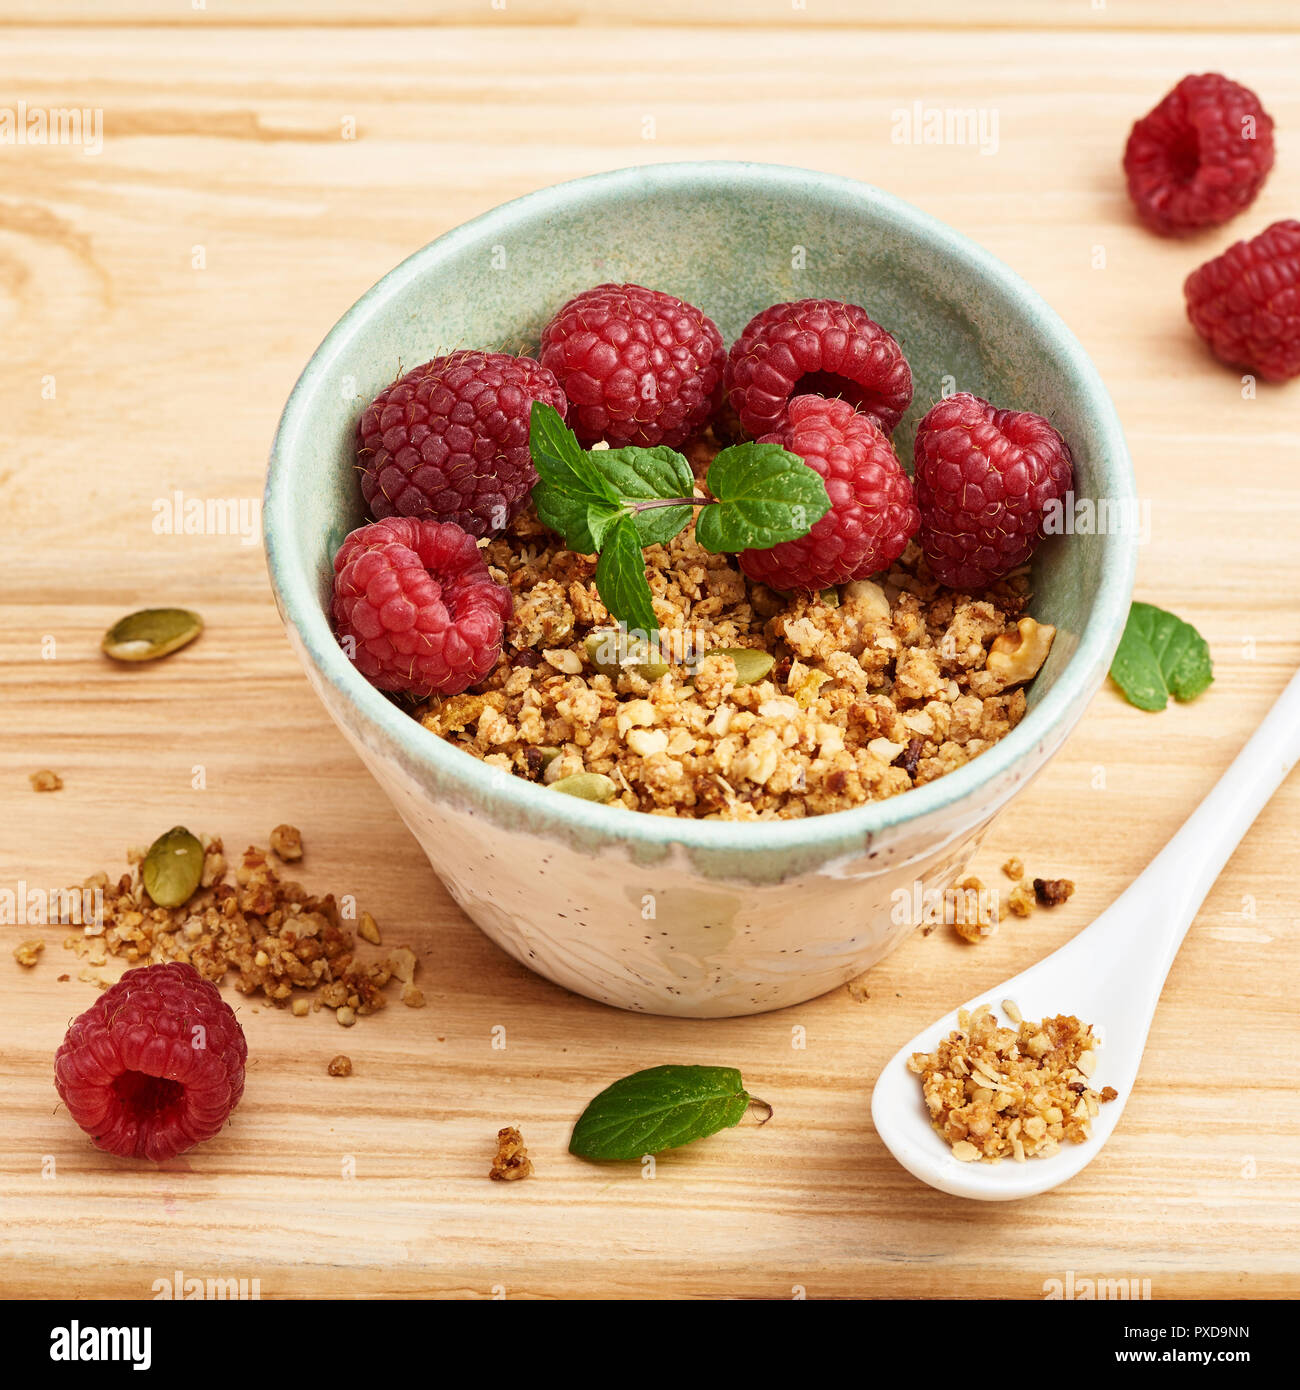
(1246, 303)
(822, 348)
(637, 365)
(155, 1065)
(984, 478)
(449, 440)
(1200, 156)
(416, 604)
(872, 515)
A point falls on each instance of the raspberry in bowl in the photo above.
(780, 891)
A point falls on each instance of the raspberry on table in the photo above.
(416, 608)
(1246, 303)
(984, 478)
(815, 347)
(449, 440)
(638, 366)
(1200, 156)
(873, 514)
(155, 1065)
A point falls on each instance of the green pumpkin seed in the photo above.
(173, 867)
(151, 633)
(611, 654)
(548, 753)
(752, 664)
(590, 786)
(830, 597)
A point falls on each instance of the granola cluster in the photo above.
(279, 940)
(511, 1162)
(874, 688)
(997, 1093)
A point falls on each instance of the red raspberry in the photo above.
(1246, 303)
(984, 478)
(415, 606)
(638, 366)
(1200, 156)
(872, 515)
(819, 347)
(449, 440)
(155, 1065)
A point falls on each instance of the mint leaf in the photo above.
(559, 459)
(764, 496)
(620, 578)
(565, 514)
(659, 1109)
(644, 475)
(1158, 656)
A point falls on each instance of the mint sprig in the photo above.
(1158, 656)
(614, 502)
(661, 1108)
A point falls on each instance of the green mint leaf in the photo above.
(566, 514)
(764, 496)
(643, 475)
(560, 461)
(600, 517)
(1160, 655)
(659, 1109)
(658, 525)
(620, 578)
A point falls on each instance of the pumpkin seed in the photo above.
(173, 867)
(611, 653)
(151, 633)
(752, 664)
(830, 597)
(590, 786)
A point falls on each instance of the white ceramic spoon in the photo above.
(1110, 975)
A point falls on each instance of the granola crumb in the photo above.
(1018, 1093)
(300, 1007)
(368, 929)
(28, 953)
(512, 1161)
(1021, 899)
(974, 911)
(346, 1015)
(858, 990)
(340, 1065)
(1051, 892)
(286, 843)
(1014, 868)
(46, 781)
(412, 996)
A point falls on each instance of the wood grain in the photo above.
(170, 377)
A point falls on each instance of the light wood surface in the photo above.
(229, 139)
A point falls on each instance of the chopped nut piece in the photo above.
(1021, 899)
(412, 996)
(512, 1161)
(286, 842)
(1052, 891)
(347, 1015)
(974, 911)
(28, 953)
(340, 1066)
(997, 1093)
(45, 781)
(1013, 659)
(1014, 868)
(368, 929)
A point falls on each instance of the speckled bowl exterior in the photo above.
(699, 918)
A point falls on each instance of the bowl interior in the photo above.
(732, 239)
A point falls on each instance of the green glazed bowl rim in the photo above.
(511, 800)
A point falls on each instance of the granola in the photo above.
(1017, 1093)
(511, 1162)
(875, 688)
(279, 940)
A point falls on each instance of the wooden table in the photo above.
(157, 301)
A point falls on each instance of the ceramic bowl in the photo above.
(686, 917)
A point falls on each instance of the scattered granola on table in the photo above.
(1051, 892)
(862, 692)
(974, 911)
(279, 940)
(46, 781)
(340, 1065)
(996, 1092)
(512, 1161)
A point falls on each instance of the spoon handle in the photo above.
(1174, 885)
